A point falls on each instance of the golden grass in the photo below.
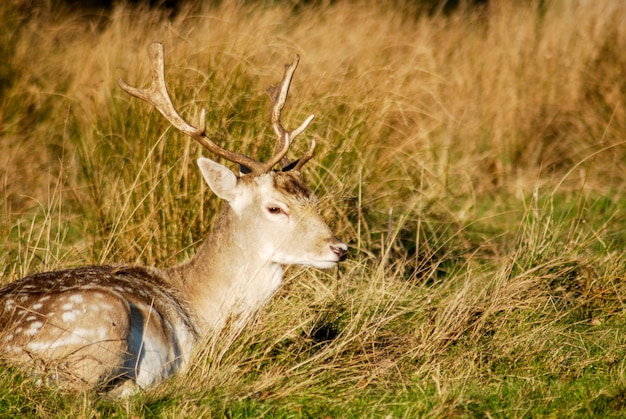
(473, 160)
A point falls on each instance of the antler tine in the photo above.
(158, 97)
(305, 157)
(278, 95)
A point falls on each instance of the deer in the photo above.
(123, 329)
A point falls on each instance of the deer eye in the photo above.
(275, 210)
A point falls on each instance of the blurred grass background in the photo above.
(474, 157)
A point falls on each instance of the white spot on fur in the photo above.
(9, 304)
(67, 339)
(13, 348)
(102, 333)
(76, 298)
(33, 329)
(67, 306)
(84, 333)
(37, 306)
(68, 316)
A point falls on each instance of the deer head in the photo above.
(280, 207)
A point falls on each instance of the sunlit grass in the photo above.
(473, 160)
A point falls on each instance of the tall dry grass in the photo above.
(473, 160)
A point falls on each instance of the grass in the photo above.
(473, 159)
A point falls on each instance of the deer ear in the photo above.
(220, 178)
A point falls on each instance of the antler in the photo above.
(278, 94)
(158, 96)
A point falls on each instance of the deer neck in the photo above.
(229, 277)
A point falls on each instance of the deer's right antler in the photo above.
(158, 96)
(278, 94)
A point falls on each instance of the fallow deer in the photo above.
(124, 328)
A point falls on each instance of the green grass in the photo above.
(474, 161)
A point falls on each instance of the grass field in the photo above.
(474, 160)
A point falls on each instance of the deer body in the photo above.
(97, 325)
(122, 327)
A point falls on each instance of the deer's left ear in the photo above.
(220, 178)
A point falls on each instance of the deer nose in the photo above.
(340, 249)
